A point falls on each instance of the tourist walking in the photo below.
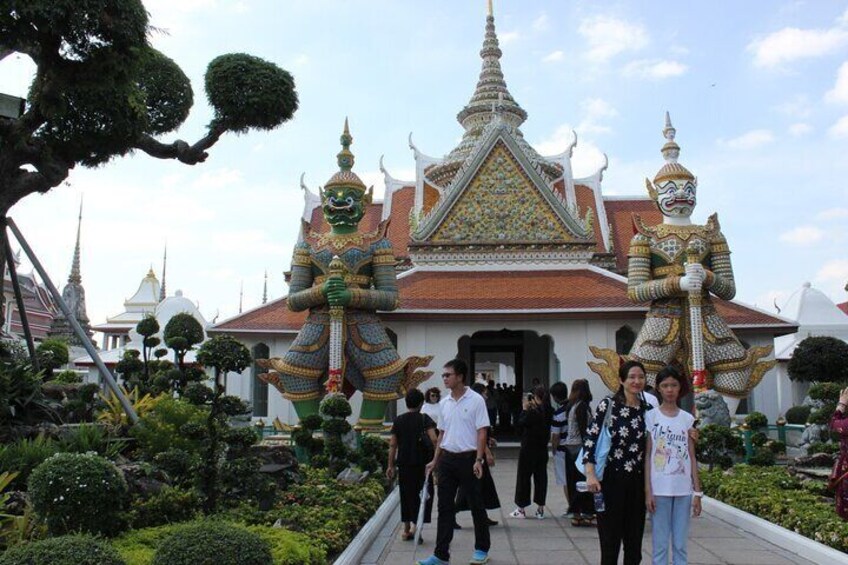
(491, 501)
(534, 424)
(581, 504)
(839, 476)
(672, 483)
(431, 404)
(621, 506)
(459, 459)
(409, 453)
(559, 431)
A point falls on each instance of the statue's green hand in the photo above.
(339, 297)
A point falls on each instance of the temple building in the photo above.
(504, 258)
(143, 302)
(38, 304)
(74, 296)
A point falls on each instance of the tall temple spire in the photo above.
(76, 276)
(241, 297)
(162, 292)
(74, 296)
(265, 288)
(491, 88)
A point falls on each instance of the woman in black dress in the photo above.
(409, 452)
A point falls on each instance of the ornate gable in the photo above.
(501, 198)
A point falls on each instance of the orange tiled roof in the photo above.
(586, 199)
(272, 317)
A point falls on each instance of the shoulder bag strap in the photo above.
(609, 411)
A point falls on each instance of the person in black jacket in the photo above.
(533, 424)
(408, 445)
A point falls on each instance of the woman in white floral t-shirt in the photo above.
(672, 484)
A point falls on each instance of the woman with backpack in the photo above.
(409, 452)
(619, 424)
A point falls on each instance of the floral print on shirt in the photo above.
(627, 434)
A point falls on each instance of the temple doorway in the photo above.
(510, 363)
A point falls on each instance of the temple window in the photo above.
(260, 388)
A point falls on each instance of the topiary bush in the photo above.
(165, 427)
(831, 448)
(64, 550)
(756, 420)
(718, 445)
(762, 457)
(797, 414)
(819, 358)
(79, 492)
(825, 392)
(759, 439)
(213, 543)
(168, 506)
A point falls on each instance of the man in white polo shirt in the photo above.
(459, 462)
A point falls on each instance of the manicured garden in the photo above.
(190, 482)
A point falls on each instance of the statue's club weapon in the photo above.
(699, 373)
(336, 372)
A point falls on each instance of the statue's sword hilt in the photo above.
(336, 369)
(699, 373)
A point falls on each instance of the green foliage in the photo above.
(76, 492)
(24, 455)
(373, 453)
(335, 406)
(287, 548)
(797, 414)
(168, 506)
(820, 359)
(717, 445)
(148, 326)
(774, 495)
(88, 438)
(756, 420)
(758, 439)
(830, 448)
(213, 542)
(312, 422)
(198, 394)
(67, 376)
(762, 457)
(825, 391)
(21, 398)
(225, 354)
(822, 415)
(249, 92)
(63, 550)
(52, 353)
(179, 464)
(777, 447)
(163, 427)
(183, 332)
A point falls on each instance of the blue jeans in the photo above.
(671, 521)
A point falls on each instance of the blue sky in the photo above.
(758, 92)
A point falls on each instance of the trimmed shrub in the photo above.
(717, 445)
(762, 457)
(167, 426)
(826, 392)
(63, 550)
(213, 542)
(168, 506)
(756, 420)
(78, 492)
(759, 439)
(819, 358)
(797, 414)
(830, 448)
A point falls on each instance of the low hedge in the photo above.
(774, 495)
(63, 550)
(287, 548)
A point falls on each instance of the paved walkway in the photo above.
(554, 541)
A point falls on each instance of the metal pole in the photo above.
(19, 298)
(86, 342)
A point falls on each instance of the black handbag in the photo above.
(424, 441)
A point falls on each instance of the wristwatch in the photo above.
(698, 494)
(480, 460)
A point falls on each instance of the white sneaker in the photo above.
(518, 513)
(540, 513)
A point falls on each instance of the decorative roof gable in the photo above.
(499, 196)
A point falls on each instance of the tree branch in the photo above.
(180, 150)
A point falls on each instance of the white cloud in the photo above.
(800, 129)
(655, 68)
(300, 60)
(839, 92)
(791, 44)
(839, 130)
(833, 214)
(802, 235)
(508, 36)
(595, 111)
(555, 143)
(833, 273)
(553, 57)
(608, 36)
(749, 140)
(797, 107)
(220, 178)
(542, 23)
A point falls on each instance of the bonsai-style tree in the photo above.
(52, 353)
(147, 329)
(182, 333)
(100, 90)
(223, 354)
(820, 359)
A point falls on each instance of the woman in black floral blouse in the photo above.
(622, 522)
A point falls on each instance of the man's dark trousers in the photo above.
(455, 470)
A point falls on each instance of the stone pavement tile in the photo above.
(730, 544)
(587, 544)
(547, 558)
(548, 544)
(752, 557)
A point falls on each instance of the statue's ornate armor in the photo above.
(372, 363)
(655, 265)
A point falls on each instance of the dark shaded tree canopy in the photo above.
(101, 91)
(820, 359)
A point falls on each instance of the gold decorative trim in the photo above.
(670, 270)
